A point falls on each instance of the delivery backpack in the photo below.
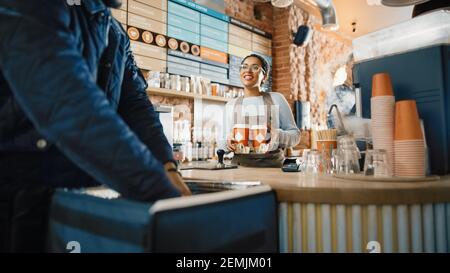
(243, 220)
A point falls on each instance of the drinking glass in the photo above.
(313, 162)
(349, 161)
(377, 163)
(333, 163)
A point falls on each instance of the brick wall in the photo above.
(275, 21)
(281, 42)
(312, 67)
(256, 14)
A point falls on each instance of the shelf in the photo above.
(181, 94)
(169, 93)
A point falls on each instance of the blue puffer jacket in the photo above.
(68, 82)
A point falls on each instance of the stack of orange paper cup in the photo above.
(409, 141)
(382, 111)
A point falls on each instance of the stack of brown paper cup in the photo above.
(409, 141)
(382, 111)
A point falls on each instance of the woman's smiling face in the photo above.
(252, 73)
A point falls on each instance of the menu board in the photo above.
(200, 40)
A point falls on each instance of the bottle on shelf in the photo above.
(167, 81)
(154, 79)
(175, 82)
(162, 80)
(212, 149)
(215, 87)
(188, 150)
(200, 153)
(205, 151)
(176, 132)
(185, 131)
(185, 84)
(178, 152)
(194, 152)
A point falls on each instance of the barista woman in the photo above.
(261, 122)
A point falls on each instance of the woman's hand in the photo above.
(230, 141)
(274, 140)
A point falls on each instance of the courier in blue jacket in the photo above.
(73, 106)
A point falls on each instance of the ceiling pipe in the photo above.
(329, 16)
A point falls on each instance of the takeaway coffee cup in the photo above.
(241, 134)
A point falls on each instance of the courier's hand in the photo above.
(176, 179)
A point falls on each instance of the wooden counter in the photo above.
(293, 187)
(329, 214)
